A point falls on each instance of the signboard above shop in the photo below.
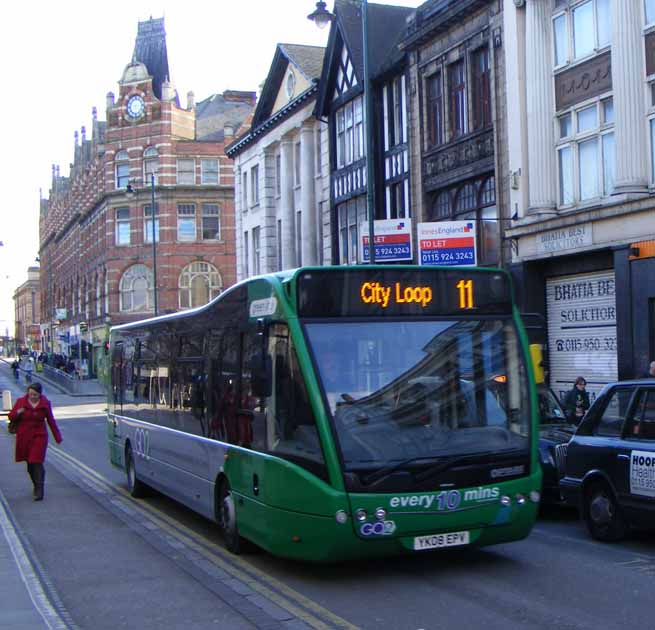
(449, 243)
(565, 239)
(393, 240)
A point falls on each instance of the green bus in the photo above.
(336, 412)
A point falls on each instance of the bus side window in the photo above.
(291, 426)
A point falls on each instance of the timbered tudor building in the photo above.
(341, 102)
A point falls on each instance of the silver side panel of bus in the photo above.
(178, 464)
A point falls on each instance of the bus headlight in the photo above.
(535, 496)
(361, 515)
(341, 516)
(520, 499)
(505, 500)
(380, 514)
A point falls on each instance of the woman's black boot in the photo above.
(30, 470)
(39, 480)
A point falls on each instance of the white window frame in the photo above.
(645, 6)
(147, 224)
(256, 247)
(185, 175)
(121, 222)
(570, 33)
(205, 270)
(210, 215)
(209, 171)
(254, 185)
(150, 165)
(122, 169)
(186, 216)
(573, 141)
(130, 275)
(350, 128)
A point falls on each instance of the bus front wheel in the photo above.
(227, 518)
(136, 488)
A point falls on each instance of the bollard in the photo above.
(6, 400)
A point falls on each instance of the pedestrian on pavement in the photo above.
(29, 368)
(650, 372)
(576, 402)
(15, 367)
(31, 412)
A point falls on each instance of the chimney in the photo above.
(190, 100)
(94, 113)
(110, 100)
(77, 137)
(228, 130)
(83, 134)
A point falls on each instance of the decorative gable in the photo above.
(346, 79)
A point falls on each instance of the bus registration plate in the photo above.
(452, 539)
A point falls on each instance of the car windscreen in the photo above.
(406, 390)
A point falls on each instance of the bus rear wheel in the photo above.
(227, 518)
(136, 488)
(602, 513)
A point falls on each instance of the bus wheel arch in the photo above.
(227, 516)
(135, 487)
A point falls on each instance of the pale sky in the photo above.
(59, 60)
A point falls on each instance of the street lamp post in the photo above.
(154, 246)
(321, 17)
(130, 191)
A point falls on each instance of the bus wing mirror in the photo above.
(261, 377)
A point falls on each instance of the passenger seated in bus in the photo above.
(245, 415)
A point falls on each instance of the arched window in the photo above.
(136, 289)
(488, 192)
(150, 164)
(466, 199)
(199, 283)
(122, 169)
(441, 208)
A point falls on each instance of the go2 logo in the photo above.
(379, 528)
(142, 443)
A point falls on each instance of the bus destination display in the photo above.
(361, 292)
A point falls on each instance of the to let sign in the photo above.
(449, 243)
(393, 240)
(563, 239)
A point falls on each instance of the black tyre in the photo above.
(136, 488)
(227, 518)
(602, 513)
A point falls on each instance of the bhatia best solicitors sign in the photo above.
(449, 243)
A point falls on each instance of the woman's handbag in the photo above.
(12, 426)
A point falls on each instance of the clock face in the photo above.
(135, 107)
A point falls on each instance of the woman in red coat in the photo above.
(31, 412)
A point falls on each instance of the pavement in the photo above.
(84, 387)
(27, 601)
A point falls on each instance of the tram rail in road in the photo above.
(262, 599)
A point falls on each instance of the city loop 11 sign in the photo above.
(397, 291)
(447, 243)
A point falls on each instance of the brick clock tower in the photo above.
(98, 263)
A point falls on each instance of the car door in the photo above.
(602, 447)
(636, 457)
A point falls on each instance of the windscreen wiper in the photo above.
(387, 470)
(442, 463)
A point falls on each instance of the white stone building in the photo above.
(281, 172)
(581, 140)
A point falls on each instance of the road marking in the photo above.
(31, 580)
(259, 581)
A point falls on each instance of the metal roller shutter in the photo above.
(581, 331)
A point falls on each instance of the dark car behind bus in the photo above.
(610, 461)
